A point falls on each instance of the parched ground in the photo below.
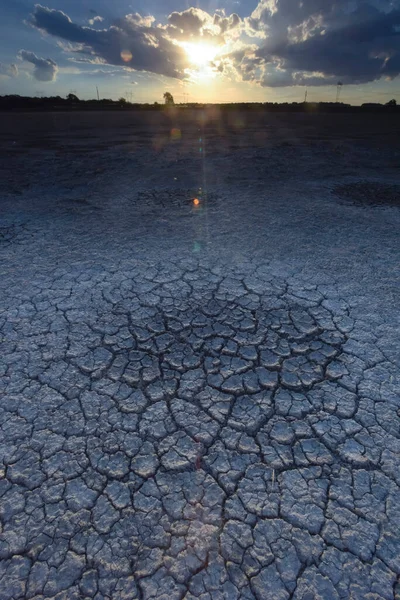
(199, 402)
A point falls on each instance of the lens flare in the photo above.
(176, 134)
(196, 202)
(126, 55)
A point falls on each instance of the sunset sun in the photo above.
(200, 54)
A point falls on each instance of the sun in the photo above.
(200, 54)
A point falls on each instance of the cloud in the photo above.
(96, 19)
(45, 68)
(195, 24)
(103, 73)
(315, 42)
(282, 43)
(131, 41)
(138, 42)
(227, 23)
(190, 21)
(8, 70)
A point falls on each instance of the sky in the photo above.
(202, 50)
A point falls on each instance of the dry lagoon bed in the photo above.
(199, 402)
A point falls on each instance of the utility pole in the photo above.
(185, 93)
(98, 97)
(305, 96)
(338, 90)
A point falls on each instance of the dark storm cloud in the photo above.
(45, 68)
(131, 41)
(316, 42)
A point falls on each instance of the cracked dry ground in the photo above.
(198, 404)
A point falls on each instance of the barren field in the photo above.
(199, 401)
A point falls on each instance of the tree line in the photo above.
(72, 102)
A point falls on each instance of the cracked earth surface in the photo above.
(198, 402)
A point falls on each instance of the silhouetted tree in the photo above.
(122, 101)
(72, 98)
(391, 103)
(169, 99)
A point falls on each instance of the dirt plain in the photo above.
(199, 401)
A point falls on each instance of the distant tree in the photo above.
(169, 99)
(72, 98)
(391, 103)
(122, 101)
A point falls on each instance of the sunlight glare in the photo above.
(200, 54)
